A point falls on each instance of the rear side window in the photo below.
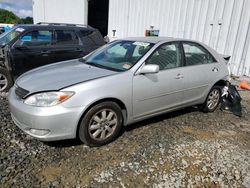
(37, 38)
(91, 37)
(66, 37)
(97, 37)
(84, 33)
(196, 54)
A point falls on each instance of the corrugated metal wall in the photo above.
(222, 24)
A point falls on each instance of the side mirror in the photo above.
(149, 69)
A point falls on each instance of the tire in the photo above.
(101, 124)
(212, 101)
(6, 81)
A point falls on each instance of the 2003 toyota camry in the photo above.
(120, 83)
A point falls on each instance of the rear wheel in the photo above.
(5, 80)
(212, 101)
(101, 124)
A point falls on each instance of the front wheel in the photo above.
(212, 101)
(101, 124)
(5, 80)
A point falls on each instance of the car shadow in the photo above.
(160, 118)
(64, 143)
(76, 142)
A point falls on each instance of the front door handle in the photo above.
(179, 76)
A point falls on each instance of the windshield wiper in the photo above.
(98, 65)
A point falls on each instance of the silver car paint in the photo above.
(142, 95)
(59, 75)
(57, 119)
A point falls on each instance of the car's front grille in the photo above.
(20, 92)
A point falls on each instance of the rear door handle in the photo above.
(179, 76)
(44, 52)
(215, 69)
(78, 49)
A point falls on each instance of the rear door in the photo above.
(201, 71)
(33, 49)
(67, 45)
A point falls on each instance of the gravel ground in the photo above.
(186, 148)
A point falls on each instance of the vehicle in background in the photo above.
(2, 30)
(119, 84)
(25, 47)
(5, 27)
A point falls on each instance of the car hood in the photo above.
(60, 75)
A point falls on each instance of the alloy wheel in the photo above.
(213, 99)
(3, 82)
(103, 124)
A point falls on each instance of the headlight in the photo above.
(48, 98)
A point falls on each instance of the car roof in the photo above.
(53, 26)
(149, 39)
(155, 40)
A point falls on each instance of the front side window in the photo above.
(37, 38)
(119, 55)
(66, 37)
(196, 55)
(167, 56)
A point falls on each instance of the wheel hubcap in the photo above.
(103, 124)
(3, 82)
(213, 99)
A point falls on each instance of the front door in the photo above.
(153, 93)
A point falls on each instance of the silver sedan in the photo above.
(119, 84)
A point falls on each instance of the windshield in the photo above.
(118, 56)
(8, 36)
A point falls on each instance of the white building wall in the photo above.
(60, 11)
(222, 24)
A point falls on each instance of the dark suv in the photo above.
(25, 47)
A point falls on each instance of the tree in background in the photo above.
(27, 20)
(9, 17)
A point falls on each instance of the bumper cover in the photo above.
(59, 122)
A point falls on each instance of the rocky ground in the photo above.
(186, 148)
